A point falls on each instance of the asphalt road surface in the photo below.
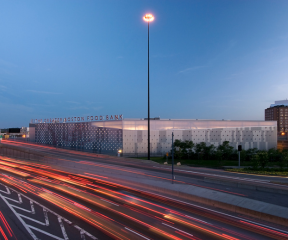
(40, 202)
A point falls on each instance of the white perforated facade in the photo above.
(249, 134)
(130, 135)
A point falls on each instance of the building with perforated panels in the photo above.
(130, 135)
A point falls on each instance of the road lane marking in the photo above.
(7, 191)
(177, 229)
(109, 202)
(31, 219)
(197, 219)
(29, 227)
(137, 233)
(63, 228)
(23, 209)
(32, 207)
(19, 201)
(19, 218)
(46, 217)
(46, 233)
(84, 232)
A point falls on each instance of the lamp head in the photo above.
(148, 17)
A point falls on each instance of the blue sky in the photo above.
(208, 59)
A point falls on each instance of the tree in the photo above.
(209, 151)
(255, 161)
(284, 160)
(199, 149)
(263, 158)
(274, 155)
(219, 155)
(243, 155)
(250, 153)
(185, 147)
(226, 150)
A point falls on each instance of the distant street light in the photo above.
(148, 18)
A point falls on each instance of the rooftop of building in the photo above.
(280, 103)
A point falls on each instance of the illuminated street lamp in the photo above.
(148, 18)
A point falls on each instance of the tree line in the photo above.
(202, 151)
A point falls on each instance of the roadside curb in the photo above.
(280, 189)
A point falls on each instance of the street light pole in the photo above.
(148, 102)
(148, 18)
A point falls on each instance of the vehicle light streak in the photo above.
(153, 176)
(200, 228)
(3, 234)
(102, 224)
(12, 170)
(69, 180)
(177, 229)
(5, 223)
(87, 182)
(185, 235)
(267, 229)
(74, 209)
(93, 200)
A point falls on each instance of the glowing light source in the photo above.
(283, 133)
(148, 17)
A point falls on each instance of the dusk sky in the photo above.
(208, 59)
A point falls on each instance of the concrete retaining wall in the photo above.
(21, 153)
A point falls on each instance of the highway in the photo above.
(193, 176)
(39, 201)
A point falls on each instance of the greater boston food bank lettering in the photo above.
(78, 119)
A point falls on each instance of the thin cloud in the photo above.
(7, 64)
(79, 107)
(191, 69)
(3, 88)
(163, 55)
(73, 102)
(42, 92)
(97, 108)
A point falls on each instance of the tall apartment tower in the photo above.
(278, 112)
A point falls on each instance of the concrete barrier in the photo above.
(252, 186)
(21, 153)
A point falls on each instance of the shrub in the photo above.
(255, 161)
(263, 158)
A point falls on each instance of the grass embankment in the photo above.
(273, 170)
(199, 163)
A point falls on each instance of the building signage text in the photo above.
(78, 119)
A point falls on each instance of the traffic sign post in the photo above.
(239, 150)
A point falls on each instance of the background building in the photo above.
(278, 112)
(130, 135)
(14, 132)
